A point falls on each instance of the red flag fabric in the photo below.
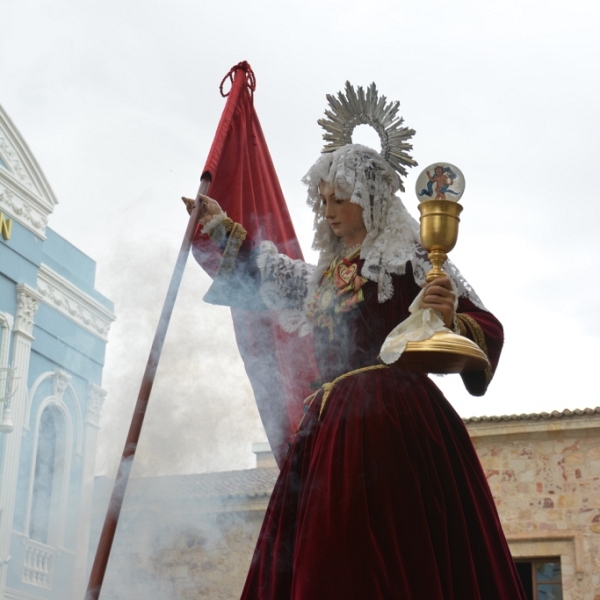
(244, 182)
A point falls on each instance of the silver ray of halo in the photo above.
(357, 108)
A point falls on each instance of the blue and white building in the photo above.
(53, 334)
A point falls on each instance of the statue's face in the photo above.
(344, 217)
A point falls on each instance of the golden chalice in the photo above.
(444, 351)
(439, 232)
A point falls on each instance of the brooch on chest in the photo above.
(340, 291)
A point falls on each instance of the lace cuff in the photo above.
(229, 237)
(284, 287)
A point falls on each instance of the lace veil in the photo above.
(361, 175)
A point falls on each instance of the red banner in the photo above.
(244, 182)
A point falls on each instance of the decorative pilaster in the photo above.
(28, 301)
(95, 401)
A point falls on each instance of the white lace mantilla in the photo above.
(360, 175)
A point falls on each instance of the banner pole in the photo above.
(118, 493)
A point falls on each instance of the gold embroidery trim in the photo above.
(468, 323)
(220, 231)
(459, 327)
(237, 235)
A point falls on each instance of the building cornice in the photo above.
(24, 207)
(566, 420)
(66, 298)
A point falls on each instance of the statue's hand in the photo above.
(440, 296)
(210, 208)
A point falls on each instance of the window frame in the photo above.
(540, 560)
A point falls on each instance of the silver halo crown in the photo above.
(357, 108)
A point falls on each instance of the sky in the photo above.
(118, 101)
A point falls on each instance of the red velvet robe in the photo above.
(382, 496)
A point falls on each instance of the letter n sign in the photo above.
(5, 227)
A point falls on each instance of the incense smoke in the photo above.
(173, 540)
(201, 415)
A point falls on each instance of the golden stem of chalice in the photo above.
(444, 352)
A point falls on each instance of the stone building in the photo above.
(184, 537)
(53, 333)
(191, 537)
(544, 472)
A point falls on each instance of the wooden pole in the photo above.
(118, 493)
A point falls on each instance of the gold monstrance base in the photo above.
(444, 352)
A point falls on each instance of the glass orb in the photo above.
(440, 181)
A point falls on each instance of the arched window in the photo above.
(49, 476)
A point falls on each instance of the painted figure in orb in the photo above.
(443, 178)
